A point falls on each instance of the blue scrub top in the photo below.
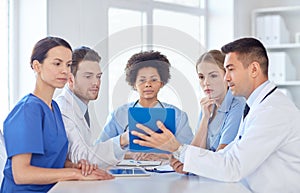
(32, 127)
(118, 120)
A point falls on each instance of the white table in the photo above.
(156, 183)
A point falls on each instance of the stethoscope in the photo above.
(136, 104)
(240, 136)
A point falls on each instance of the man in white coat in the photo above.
(83, 86)
(265, 155)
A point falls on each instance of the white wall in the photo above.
(29, 25)
(82, 23)
(4, 60)
(220, 23)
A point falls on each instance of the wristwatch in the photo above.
(179, 151)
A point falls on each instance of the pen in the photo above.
(212, 112)
(158, 171)
(125, 128)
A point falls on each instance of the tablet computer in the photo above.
(149, 117)
(128, 172)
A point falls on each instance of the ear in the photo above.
(255, 69)
(71, 80)
(162, 84)
(134, 87)
(36, 66)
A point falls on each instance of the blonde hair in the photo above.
(214, 57)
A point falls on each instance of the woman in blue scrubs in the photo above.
(35, 138)
(147, 72)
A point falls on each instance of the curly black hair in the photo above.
(144, 59)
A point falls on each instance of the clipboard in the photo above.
(131, 162)
(149, 117)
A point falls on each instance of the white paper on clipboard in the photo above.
(131, 162)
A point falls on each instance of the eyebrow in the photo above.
(150, 76)
(92, 73)
(87, 73)
(60, 60)
(213, 72)
(228, 65)
(200, 73)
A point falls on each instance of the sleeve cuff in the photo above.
(119, 152)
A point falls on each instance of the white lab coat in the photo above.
(266, 158)
(82, 138)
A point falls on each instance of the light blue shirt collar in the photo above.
(83, 107)
(255, 93)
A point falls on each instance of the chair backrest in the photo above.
(2, 156)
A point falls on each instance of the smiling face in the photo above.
(148, 84)
(55, 69)
(211, 78)
(86, 83)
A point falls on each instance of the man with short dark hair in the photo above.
(83, 86)
(265, 154)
